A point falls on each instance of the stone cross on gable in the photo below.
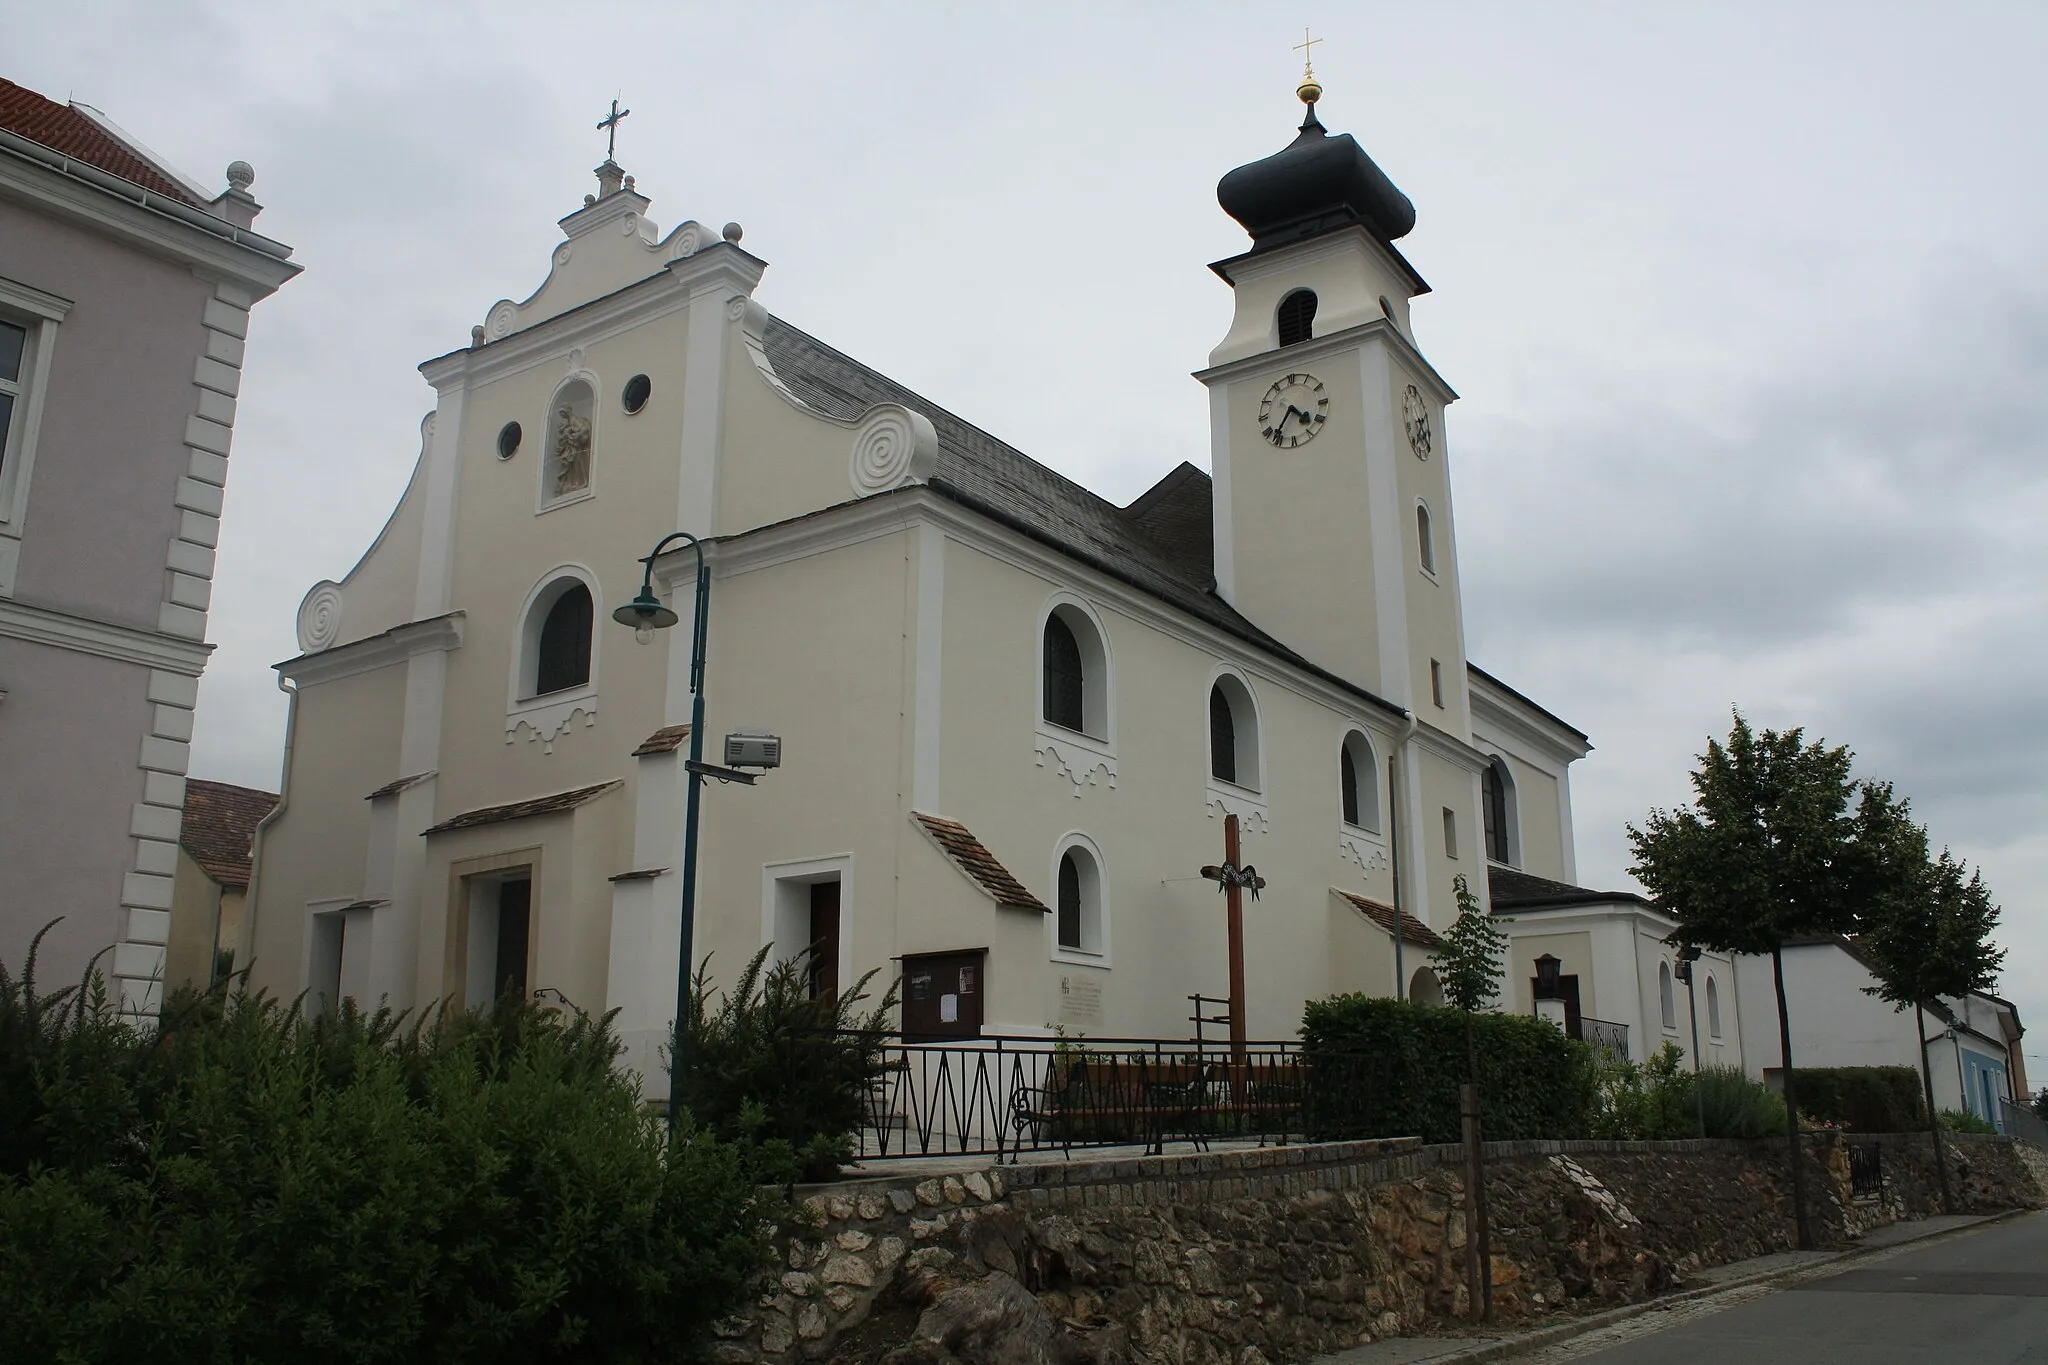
(1235, 879)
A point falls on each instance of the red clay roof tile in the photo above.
(64, 129)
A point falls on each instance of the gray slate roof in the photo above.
(1153, 545)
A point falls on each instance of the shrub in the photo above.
(1864, 1099)
(1956, 1121)
(1652, 1101)
(776, 1065)
(241, 1183)
(1737, 1107)
(2041, 1102)
(1388, 1068)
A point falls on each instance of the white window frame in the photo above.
(1098, 921)
(1667, 998)
(549, 712)
(39, 314)
(1098, 708)
(1511, 813)
(1369, 803)
(1425, 548)
(1713, 1009)
(1255, 753)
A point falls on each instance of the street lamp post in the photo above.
(645, 614)
(1686, 957)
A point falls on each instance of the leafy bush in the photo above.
(1956, 1121)
(241, 1183)
(1388, 1068)
(2041, 1102)
(777, 1066)
(1864, 1099)
(1737, 1107)
(1662, 1099)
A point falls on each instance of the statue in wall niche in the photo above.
(572, 452)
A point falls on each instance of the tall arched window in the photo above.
(1297, 317)
(1222, 737)
(1425, 540)
(1074, 671)
(1667, 1003)
(1713, 1010)
(562, 659)
(1496, 790)
(1066, 683)
(1358, 781)
(1078, 919)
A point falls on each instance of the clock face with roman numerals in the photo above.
(1415, 418)
(1293, 410)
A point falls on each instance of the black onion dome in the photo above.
(1316, 184)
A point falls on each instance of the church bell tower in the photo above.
(1333, 525)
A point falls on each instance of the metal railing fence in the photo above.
(1003, 1096)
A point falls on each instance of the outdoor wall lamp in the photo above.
(1547, 968)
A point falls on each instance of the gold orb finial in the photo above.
(1310, 90)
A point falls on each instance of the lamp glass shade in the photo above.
(645, 612)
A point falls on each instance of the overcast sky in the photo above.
(1747, 306)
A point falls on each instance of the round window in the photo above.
(638, 389)
(508, 440)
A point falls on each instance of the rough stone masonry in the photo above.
(1282, 1253)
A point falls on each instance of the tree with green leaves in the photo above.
(1767, 853)
(1925, 937)
(1468, 967)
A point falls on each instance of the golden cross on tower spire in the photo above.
(1310, 88)
(610, 128)
(1306, 47)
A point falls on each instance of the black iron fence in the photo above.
(1003, 1096)
(1866, 1171)
(1605, 1034)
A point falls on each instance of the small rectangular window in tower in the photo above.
(1436, 683)
(1450, 833)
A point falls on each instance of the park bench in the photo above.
(1096, 1098)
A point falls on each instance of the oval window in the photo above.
(637, 391)
(508, 440)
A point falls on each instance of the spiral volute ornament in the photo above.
(893, 446)
(320, 618)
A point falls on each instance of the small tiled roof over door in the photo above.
(62, 128)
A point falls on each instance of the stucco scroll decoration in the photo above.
(563, 253)
(685, 241)
(320, 617)
(735, 308)
(1081, 766)
(1251, 814)
(892, 446)
(1364, 852)
(545, 724)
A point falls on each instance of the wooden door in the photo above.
(824, 959)
(942, 995)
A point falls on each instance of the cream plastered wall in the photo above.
(781, 459)
(345, 746)
(1540, 833)
(1301, 517)
(1153, 822)
(1434, 601)
(818, 650)
(1349, 272)
(195, 920)
(1445, 785)
(505, 549)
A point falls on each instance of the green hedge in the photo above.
(1386, 1068)
(1864, 1099)
(242, 1184)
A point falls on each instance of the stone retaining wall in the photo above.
(1283, 1253)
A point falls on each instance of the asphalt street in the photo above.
(1981, 1297)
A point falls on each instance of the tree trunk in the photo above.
(1478, 1225)
(1948, 1199)
(1791, 1106)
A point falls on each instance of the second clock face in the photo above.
(1293, 410)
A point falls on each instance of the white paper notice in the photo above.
(949, 1009)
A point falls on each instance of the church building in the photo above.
(1013, 716)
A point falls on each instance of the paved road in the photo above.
(1980, 1298)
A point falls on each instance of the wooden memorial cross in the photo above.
(1235, 880)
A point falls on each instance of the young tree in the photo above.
(1765, 854)
(1468, 967)
(1928, 935)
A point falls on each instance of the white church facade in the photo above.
(1014, 716)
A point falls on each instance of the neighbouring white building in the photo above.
(1013, 714)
